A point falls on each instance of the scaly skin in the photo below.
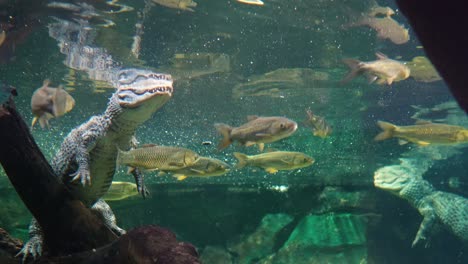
(436, 207)
(89, 152)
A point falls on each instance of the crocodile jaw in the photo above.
(136, 87)
(391, 178)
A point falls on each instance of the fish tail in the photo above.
(388, 130)
(225, 131)
(242, 160)
(355, 69)
(33, 122)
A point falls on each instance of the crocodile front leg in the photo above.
(427, 225)
(82, 159)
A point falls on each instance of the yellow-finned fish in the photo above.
(49, 102)
(275, 161)
(319, 126)
(153, 157)
(203, 167)
(382, 71)
(251, 2)
(258, 130)
(120, 190)
(424, 133)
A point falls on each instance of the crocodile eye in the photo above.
(122, 76)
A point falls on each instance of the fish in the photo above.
(203, 167)
(49, 102)
(386, 28)
(178, 4)
(380, 10)
(251, 2)
(258, 130)
(424, 133)
(382, 71)
(120, 190)
(274, 161)
(319, 126)
(153, 157)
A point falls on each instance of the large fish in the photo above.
(383, 70)
(203, 167)
(153, 157)
(48, 102)
(275, 161)
(258, 130)
(424, 133)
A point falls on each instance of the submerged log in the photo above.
(72, 233)
(68, 225)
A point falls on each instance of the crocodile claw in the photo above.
(143, 191)
(83, 175)
(32, 249)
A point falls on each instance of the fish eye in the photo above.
(282, 125)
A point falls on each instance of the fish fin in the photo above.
(130, 170)
(33, 122)
(389, 81)
(381, 56)
(388, 130)
(402, 142)
(381, 81)
(371, 78)
(225, 131)
(147, 145)
(423, 143)
(271, 170)
(161, 173)
(263, 135)
(177, 164)
(271, 150)
(251, 117)
(242, 159)
(354, 69)
(198, 171)
(422, 122)
(46, 83)
(44, 120)
(261, 146)
(286, 161)
(180, 177)
(249, 143)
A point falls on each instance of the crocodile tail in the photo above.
(243, 160)
(388, 130)
(225, 131)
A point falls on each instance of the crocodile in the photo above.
(86, 160)
(438, 208)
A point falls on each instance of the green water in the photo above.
(223, 211)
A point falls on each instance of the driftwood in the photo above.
(70, 229)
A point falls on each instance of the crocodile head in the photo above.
(391, 178)
(138, 87)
